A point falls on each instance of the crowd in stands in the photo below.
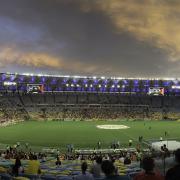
(95, 114)
(17, 163)
(64, 114)
(79, 114)
(85, 106)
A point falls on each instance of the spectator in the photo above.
(84, 175)
(127, 160)
(33, 166)
(58, 162)
(121, 158)
(174, 172)
(165, 151)
(148, 174)
(96, 167)
(17, 167)
(109, 170)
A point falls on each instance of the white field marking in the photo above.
(112, 126)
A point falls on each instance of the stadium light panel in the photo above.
(103, 77)
(26, 74)
(120, 78)
(7, 83)
(175, 87)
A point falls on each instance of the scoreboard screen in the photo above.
(156, 91)
(35, 88)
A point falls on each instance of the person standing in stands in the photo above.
(33, 166)
(84, 175)
(148, 173)
(58, 161)
(127, 160)
(17, 167)
(174, 172)
(110, 171)
(96, 167)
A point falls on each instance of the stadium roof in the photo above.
(91, 77)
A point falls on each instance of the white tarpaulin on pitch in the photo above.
(172, 145)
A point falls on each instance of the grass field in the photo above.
(85, 134)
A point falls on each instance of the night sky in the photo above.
(126, 38)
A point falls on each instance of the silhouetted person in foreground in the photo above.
(96, 167)
(110, 171)
(84, 175)
(174, 172)
(16, 167)
(148, 173)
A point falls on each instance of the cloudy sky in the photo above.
(127, 38)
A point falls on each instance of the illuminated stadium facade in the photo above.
(40, 96)
(50, 83)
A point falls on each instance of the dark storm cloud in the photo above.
(84, 37)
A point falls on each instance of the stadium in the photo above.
(89, 90)
(88, 115)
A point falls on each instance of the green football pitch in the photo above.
(85, 134)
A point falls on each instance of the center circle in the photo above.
(112, 126)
